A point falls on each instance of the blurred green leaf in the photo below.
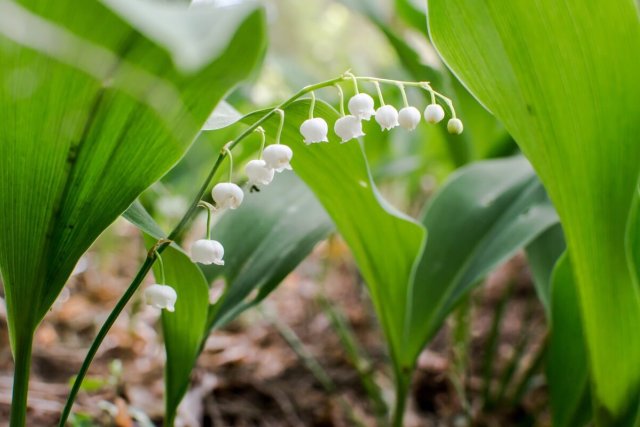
(481, 216)
(92, 114)
(137, 215)
(185, 329)
(569, 96)
(222, 116)
(543, 254)
(264, 240)
(385, 243)
(567, 365)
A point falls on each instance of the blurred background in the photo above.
(312, 354)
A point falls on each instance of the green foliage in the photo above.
(482, 215)
(385, 243)
(567, 365)
(264, 240)
(562, 77)
(184, 329)
(93, 114)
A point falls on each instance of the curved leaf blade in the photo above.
(385, 242)
(482, 215)
(89, 135)
(184, 329)
(548, 76)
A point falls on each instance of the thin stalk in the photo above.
(461, 336)
(402, 392)
(280, 125)
(341, 96)
(404, 94)
(310, 362)
(355, 355)
(175, 235)
(313, 104)
(377, 85)
(162, 278)
(21, 372)
(538, 359)
(492, 345)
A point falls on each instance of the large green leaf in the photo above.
(385, 243)
(567, 366)
(562, 77)
(184, 329)
(92, 113)
(482, 215)
(264, 240)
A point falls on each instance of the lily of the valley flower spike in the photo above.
(278, 156)
(409, 117)
(161, 296)
(259, 173)
(387, 117)
(454, 126)
(207, 251)
(361, 106)
(348, 127)
(227, 195)
(434, 113)
(314, 130)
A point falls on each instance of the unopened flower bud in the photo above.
(409, 117)
(433, 113)
(454, 126)
(387, 117)
(314, 130)
(361, 106)
(227, 195)
(207, 252)
(277, 156)
(259, 173)
(348, 127)
(161, 296)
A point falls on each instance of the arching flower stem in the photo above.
(377, 85)
(313, 104)
(341, 95)
(280, 125)
(404, 94)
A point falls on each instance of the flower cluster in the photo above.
(362, 107)
(277, 157)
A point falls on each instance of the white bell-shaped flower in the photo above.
(387, 117)
(227, 195)
(409, 117)
(314, 130)
(161, 296)
(454, 126)
(206, 251)
(278, 156)
(361, 106)
(433, 113)
(259, 173)
(348, 127)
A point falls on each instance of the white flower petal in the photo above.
(161, 296)
(227, 195)
(455, 126)
(409, 117)
(259, 173)
(434, 113)
(314, 130)
(348, 127)
(361, 106)
(207, 252)
(387, 117)
(278, 156)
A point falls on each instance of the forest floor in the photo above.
(248, 375)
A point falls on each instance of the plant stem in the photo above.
(160, 246)
(21, 380)
(402, 392)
